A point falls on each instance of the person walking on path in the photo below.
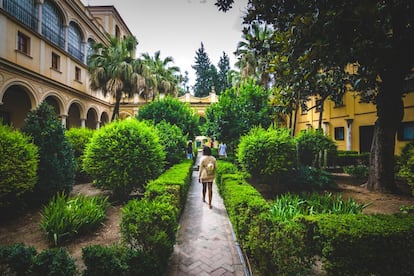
(190, 150)
(207, 173)
(206, 243)
(222, 150)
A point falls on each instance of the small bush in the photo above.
(56, 170)
(123, 156)
(53, 262)
(315, 149)
(266, 153)
(118, 260)
(66, 217)
(150, 226)
(16, 259)
(406, 164)
(358, 171)
(18, 167)
(79, 138)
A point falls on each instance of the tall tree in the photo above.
(113, 67)
(377, 35)
(255, 51)
(165, 74)
(224, 67)
(205, 73)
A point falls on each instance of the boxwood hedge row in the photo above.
(340, 244)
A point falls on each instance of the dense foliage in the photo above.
(123, 156)
(406, 164)
(66, 217)
(238, 110)
(267, 153)
(174, 142)
(18, 167)
(172, 111)
(79, 138)
(150, 225)
(315, 149)
(56, 169)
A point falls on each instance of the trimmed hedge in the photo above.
(19, 259)
(363, 244)
(346, 244)
(148, 228)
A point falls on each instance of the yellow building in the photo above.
(351, 124)
(43, 51)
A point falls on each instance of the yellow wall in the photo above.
(360, 114)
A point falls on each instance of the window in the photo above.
(52, 23)
(23, 43)
(23, 10)
(406, 131)
(78, 74)
(319, 105)
(56, 61)
(75, 42)
(339, 133)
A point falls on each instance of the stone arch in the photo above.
(75, 114)
(16, 100)
(91, 118)
(55, 100)
(104, 118)
(124, 115)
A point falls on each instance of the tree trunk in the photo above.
(390, 111)
(115, 114)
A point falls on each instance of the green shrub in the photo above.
(150, 226)
(56, 170)
(79, 138)
(310, 178)
(16, 259)
(358, 171)
(266, 153)
(172, 111)
(315, 149)
(66, 217)
(406, 164)
(53, 262)
(118, 260)
(123, 156)
(351, 158)
(18, 167)
(363, 244)
(174, 142)
(173, 183)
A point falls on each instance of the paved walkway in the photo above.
(205, 243)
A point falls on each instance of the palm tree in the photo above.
(255, 52)
(114, 70)
(166, 76)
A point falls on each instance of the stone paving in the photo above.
(206, 242)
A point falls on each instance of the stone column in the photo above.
(349, 133)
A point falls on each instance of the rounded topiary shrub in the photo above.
(173, 140)
(18, 167)
(266, 153)
(56, 169)
(123, 156)
(315, 148)
(79, 138)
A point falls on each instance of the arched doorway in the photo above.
(91, 119)
(54, 102)
(16, 105)
(74, 118)
(104, 118)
